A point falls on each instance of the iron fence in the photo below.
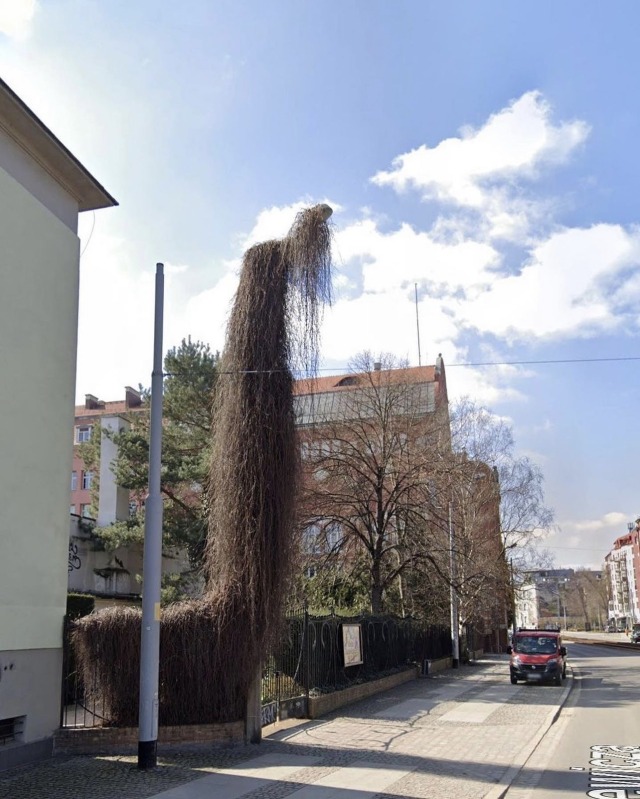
(80, 705)
(284, 676)
(309, 658)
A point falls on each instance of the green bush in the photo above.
(79, 605)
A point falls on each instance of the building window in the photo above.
(311, 540)
(83, 433)
(74, 481)
(85, 510)
(87, 479)
(334, 536)
(72, 508)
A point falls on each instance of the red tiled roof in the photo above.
(320, 385)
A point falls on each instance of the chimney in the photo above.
(91, 402)
(439, 366)
(132, 398)
(377, 366)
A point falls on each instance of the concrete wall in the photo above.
(38, 328)
(110, 573)
(114, 500)
(29, 680)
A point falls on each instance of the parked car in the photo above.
(634, 634)
(537, 656)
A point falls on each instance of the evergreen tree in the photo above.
(190, 374)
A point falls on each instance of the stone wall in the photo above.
(321, 705)
(123, 740)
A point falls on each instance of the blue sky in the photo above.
(485, 151)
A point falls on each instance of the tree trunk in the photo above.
(376, 590)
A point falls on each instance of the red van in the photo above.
(537, 656)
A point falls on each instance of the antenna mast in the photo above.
(415, 286)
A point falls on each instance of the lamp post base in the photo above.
(147, 754)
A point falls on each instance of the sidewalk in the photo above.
(461, 734)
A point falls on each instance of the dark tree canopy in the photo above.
(190, 376)
(394, 487)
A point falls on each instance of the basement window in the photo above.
(11, 729)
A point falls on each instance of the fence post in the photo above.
(65, 666)
(306, 654)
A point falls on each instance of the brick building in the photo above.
(397, 421)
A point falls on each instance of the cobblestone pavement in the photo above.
(461, 734)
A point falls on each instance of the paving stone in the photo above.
(433, 756)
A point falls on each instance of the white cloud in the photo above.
(406, 256)
(560, 290)
(16, 17)
(115, 325)
(116, 313)
(545, 426)
(479, 169)
(612, 520)
(570, 282)
(585, 542)
(205, 315)
(514, 142)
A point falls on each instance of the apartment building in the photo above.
(113, 415)
(97, 500)
(622, 566)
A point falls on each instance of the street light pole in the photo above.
(152, 556)
(455, 638)
(513, 598)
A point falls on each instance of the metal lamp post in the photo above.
(455, 632)
(152, 558)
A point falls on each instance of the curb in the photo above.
(502, 786)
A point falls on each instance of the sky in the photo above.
(485, 153)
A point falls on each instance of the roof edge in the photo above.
(30, 133)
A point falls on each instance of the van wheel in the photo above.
(514, 680)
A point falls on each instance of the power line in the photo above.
(575, 549)
(516, 363)
(346, 370)
(549, 361)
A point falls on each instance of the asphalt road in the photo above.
(581, 755)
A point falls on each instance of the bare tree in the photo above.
(587, 598)
(367, 447)
(487, 438)
(499, 512)
(385, 492)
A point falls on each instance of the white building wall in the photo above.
(113, 504)
(527, 605)
(38, 329)
(624, 598)
(20, 165)
(38, 325)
